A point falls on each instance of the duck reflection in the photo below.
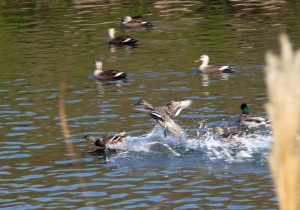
(205, 80)
(115, 49)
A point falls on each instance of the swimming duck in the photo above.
(205, 68)
(161, 116)
(250, 121)
(114, 139)
(129, 22)
(120, 40)
(107, 74)
(230, 135)
(172, 108)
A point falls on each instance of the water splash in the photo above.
(202, 148)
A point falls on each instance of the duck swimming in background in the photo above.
(205, 68)
(251, 121)
(120, 40)
(129, 22)
(114, 139)
(107, 74)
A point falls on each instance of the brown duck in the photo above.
(129, 22)
(120, 40)
(230, 135)
(107, 74)
(162, 115)
(114, 139)
(209, 69)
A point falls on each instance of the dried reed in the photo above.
(69, 144)
(282, 78)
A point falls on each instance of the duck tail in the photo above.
(120, 75)
(227, 69)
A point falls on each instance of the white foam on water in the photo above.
(205, 147)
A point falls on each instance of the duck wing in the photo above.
(175, 107)
(252, 121)
(226, 69)
(111, 75)
(166, 122)
(123, 40)
(218, 69)
(143, 22)
(100, 143)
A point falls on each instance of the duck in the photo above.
(172, 108)
(250, 121)
(107, 74)
(161, 116)
(208, 69)
(120, 40)
(230, 135)
(129, 22)
(114, 139)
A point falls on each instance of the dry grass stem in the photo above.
(66, 135)
(282, 78)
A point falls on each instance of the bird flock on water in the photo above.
(164, 115)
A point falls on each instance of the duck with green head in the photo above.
(251, 121)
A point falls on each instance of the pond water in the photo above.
(47, 45)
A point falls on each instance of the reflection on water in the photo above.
(168, 8)
(266, 8)
(49, 42)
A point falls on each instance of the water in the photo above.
(48, 44)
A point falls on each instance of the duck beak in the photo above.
(196, 60)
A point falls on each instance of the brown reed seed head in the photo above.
(282, 78)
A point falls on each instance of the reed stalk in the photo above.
(283, 78)
(69, 144)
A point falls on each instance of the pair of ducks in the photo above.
(245, 120)
(127, 22)
(162, 115)
(116, 74)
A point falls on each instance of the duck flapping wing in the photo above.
(175, 107)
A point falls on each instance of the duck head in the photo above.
(141, 102)
(244, 108)
(89, 137)
(126, 19)
(203, 58)
(111, 33)
(145, 103)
